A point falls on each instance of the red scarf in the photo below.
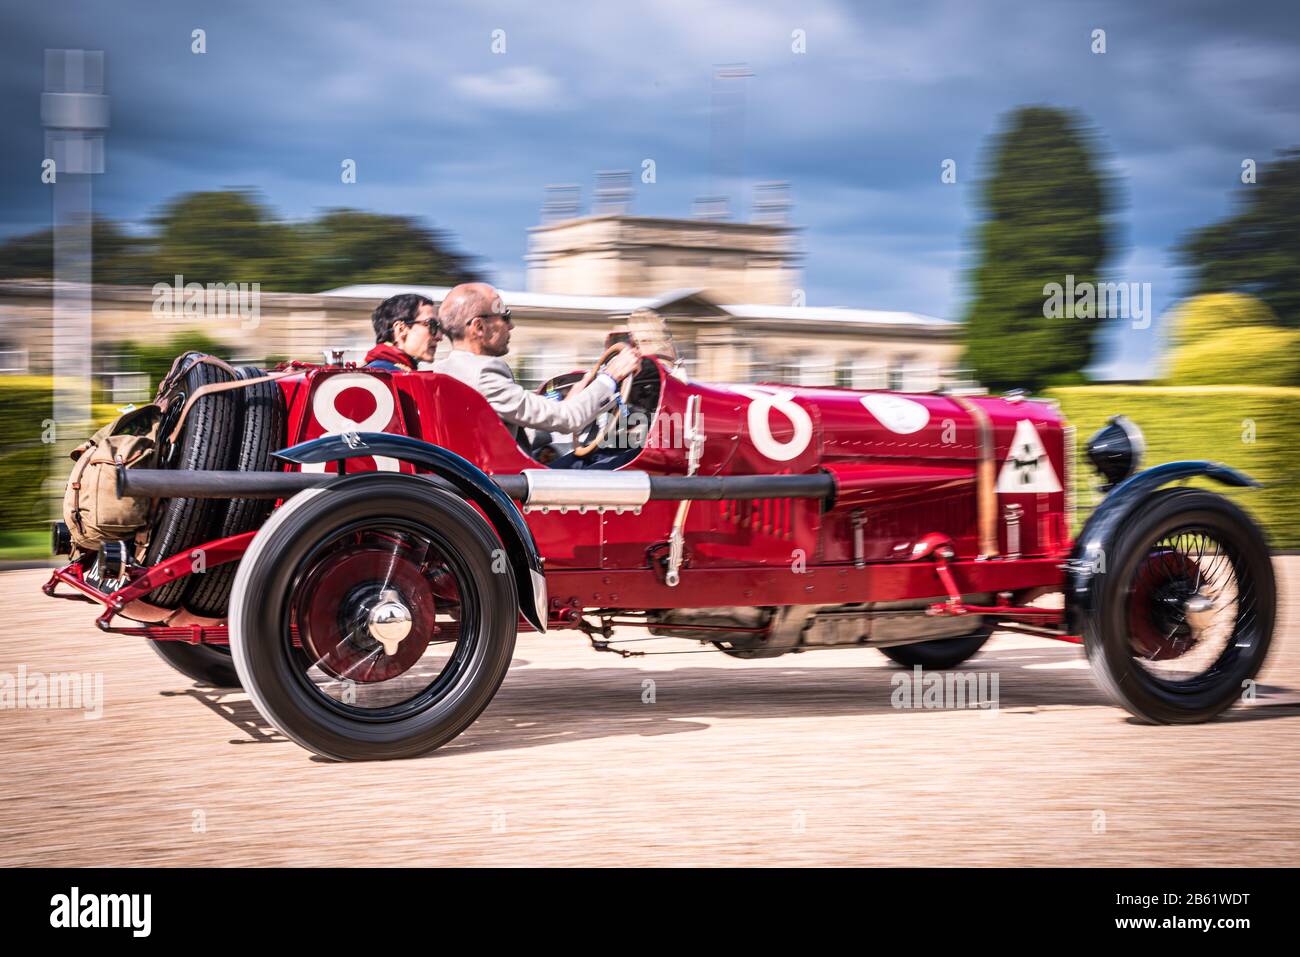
(390, 353)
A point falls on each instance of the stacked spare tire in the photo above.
(232, 429)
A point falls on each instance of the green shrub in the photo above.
(1263, 355)
(156, 358)
(24, 457)
(25, 453)
(1252, 428)
(1195, 319)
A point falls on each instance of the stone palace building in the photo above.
(729, 292)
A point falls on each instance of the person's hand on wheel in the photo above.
(624, 364)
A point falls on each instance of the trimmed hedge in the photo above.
(1252, 428)
(25, 463)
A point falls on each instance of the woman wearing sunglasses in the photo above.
(406, 333)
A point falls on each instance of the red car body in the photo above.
(916, 477)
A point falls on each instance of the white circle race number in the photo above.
(324, 406)
(898, 415)
(760, 422)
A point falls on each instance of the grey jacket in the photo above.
(518, 407)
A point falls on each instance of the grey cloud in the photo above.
(443, 128)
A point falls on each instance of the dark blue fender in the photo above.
(467, 479)
(1103, 525)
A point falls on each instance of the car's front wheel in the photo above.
(1183, 616)
(370, 620)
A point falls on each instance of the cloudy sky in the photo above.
(442, 127)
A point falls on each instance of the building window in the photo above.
(816, 370)
(13, 361)
(897, 378)
(761, 367)
(844, 374)
(870, 374)
(918, 377)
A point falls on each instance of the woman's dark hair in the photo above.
(394, 309)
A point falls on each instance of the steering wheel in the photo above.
(582, 451)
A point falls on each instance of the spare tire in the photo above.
(263, 433)
(210, 439)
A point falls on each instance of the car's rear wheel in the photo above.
(206, 664)
(1183, 617)
(941, 654)
(369, 620)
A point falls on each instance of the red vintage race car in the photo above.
(359, 548)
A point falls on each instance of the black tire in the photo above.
(1124, 602)
(206, 664)
(941, 654)
(263, 433)
(277, 580)
(209, 440)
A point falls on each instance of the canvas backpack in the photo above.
(92, 509)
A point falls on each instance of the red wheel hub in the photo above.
(1158, 628)
(336, 602)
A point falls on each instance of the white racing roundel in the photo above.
(334, 422)
(898, 415)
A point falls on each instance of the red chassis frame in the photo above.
(641, 588)
(596, 561)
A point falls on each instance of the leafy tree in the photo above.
(1046, 211)
(118, 258)
(349, 246)
(232, 236)
(228, 236)
(1257, 249)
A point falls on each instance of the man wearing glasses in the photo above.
(478, 325)
(406, 333)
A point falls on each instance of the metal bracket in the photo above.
(606, 632)
(1012, 513)
(694, 436)
(859, 519)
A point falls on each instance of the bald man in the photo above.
(478, 325)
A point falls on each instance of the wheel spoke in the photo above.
(1174, 633)
(386, 569)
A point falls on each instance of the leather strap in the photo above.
(180, 366)
(986, 501)
(212, 387)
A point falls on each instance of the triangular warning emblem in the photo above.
(1027, 468)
